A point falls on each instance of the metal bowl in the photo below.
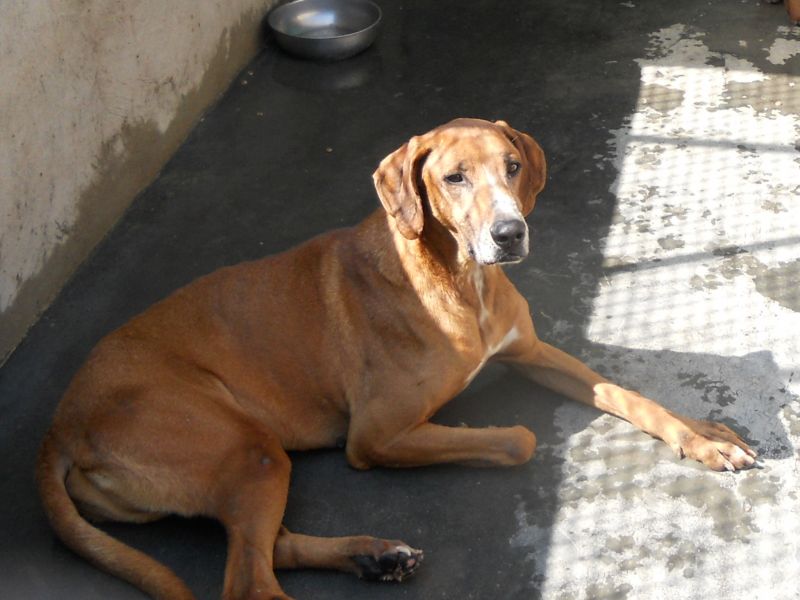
(325, 29)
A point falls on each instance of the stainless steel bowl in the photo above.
(325, 29)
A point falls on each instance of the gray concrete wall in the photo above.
(95, 95)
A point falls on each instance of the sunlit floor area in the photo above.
(665, 254)
(698, 303)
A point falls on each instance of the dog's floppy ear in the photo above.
(534, 169)
(397, 181)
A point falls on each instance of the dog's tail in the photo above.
(92, 544)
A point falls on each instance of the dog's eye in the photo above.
(512, 168)
(454, 178)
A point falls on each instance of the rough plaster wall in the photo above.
(701, 264)
(95, 95)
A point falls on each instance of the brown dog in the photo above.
(360, 334)
(792, 7)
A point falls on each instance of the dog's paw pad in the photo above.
(395, 564)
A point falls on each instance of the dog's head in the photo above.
(477, 179)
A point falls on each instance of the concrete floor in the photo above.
(666, 253)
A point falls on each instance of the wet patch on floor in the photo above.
(671, 242)
(730, 522)
(781, 284)
(771, 206)
(660, 98)
(713, 390)
(776, 93)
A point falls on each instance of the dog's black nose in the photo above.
(508, 233)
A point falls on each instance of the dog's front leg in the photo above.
(376, 442)
(713, 444)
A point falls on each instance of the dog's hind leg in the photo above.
(253, 492)
(368, 557)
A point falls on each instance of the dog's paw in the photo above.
(394, 564)
(715, 445)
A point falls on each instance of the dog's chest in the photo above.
(462, 332)
(494, 332)
(491, 350)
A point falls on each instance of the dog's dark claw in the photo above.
(393, 565)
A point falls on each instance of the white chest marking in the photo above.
(477, 278)
(509, 338)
